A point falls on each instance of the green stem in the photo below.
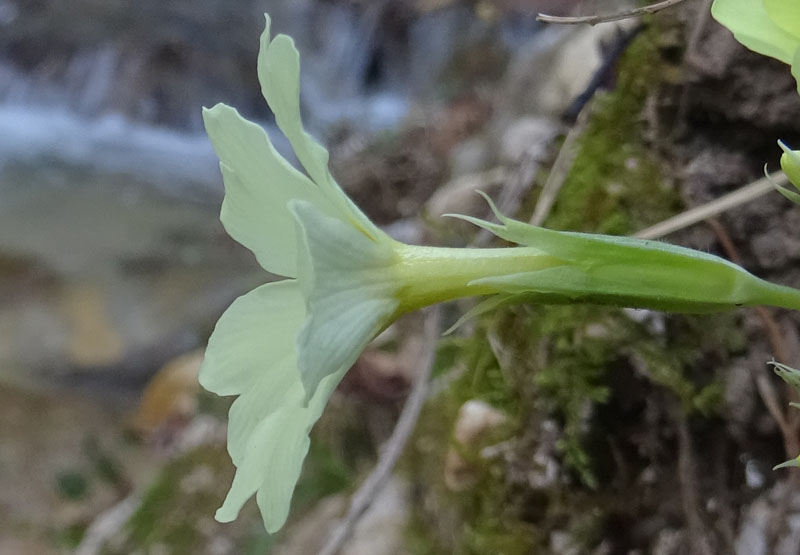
(435, 274)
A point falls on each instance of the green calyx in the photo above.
(790, 164)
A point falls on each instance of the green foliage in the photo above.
(72, 485)
(561, 364)
(170, 511)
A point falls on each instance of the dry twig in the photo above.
(690, 58)
(561, 167)
(741, 196)
(690, 493)
(766, 387)
(106, 525)
(370, 488)
(606, 18)
(707, 212)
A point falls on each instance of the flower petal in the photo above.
(785, 14)
(279, 75)
(258, 184)
(256, 332)
(274, 455)
(274, 495)
(277, 386)
(753, 27)
(350, 293)
(796, 68)
(273, 463)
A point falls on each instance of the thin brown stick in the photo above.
(701, 19)
(690, 493)
(766, 387)
(369, 489)
(561, 167)
(741, 196)
(606, 18)
(106, 525)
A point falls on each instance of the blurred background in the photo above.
(566, 430)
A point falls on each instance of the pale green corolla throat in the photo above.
(283, 348)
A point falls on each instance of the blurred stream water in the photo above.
(112, 257)
(108, 185)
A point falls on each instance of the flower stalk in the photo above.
(283, 348)
(429, 275)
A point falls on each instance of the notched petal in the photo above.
(279, 75)
(272, 463)
(253, 334)
(259, 183)
(274, 454)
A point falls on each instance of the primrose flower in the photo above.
(284, 347)
(769, 27)
(335, 300)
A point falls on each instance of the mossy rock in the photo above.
(612, 382)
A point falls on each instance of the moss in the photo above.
(616, 184)
(324, 473)
(72, 484)
(71, 536)
(596, 372)
(480, 519)
(562, 364)
(170, 510)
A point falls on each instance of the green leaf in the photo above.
(787, 373)
(486, 305)
(788, 193)
(752, 25)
